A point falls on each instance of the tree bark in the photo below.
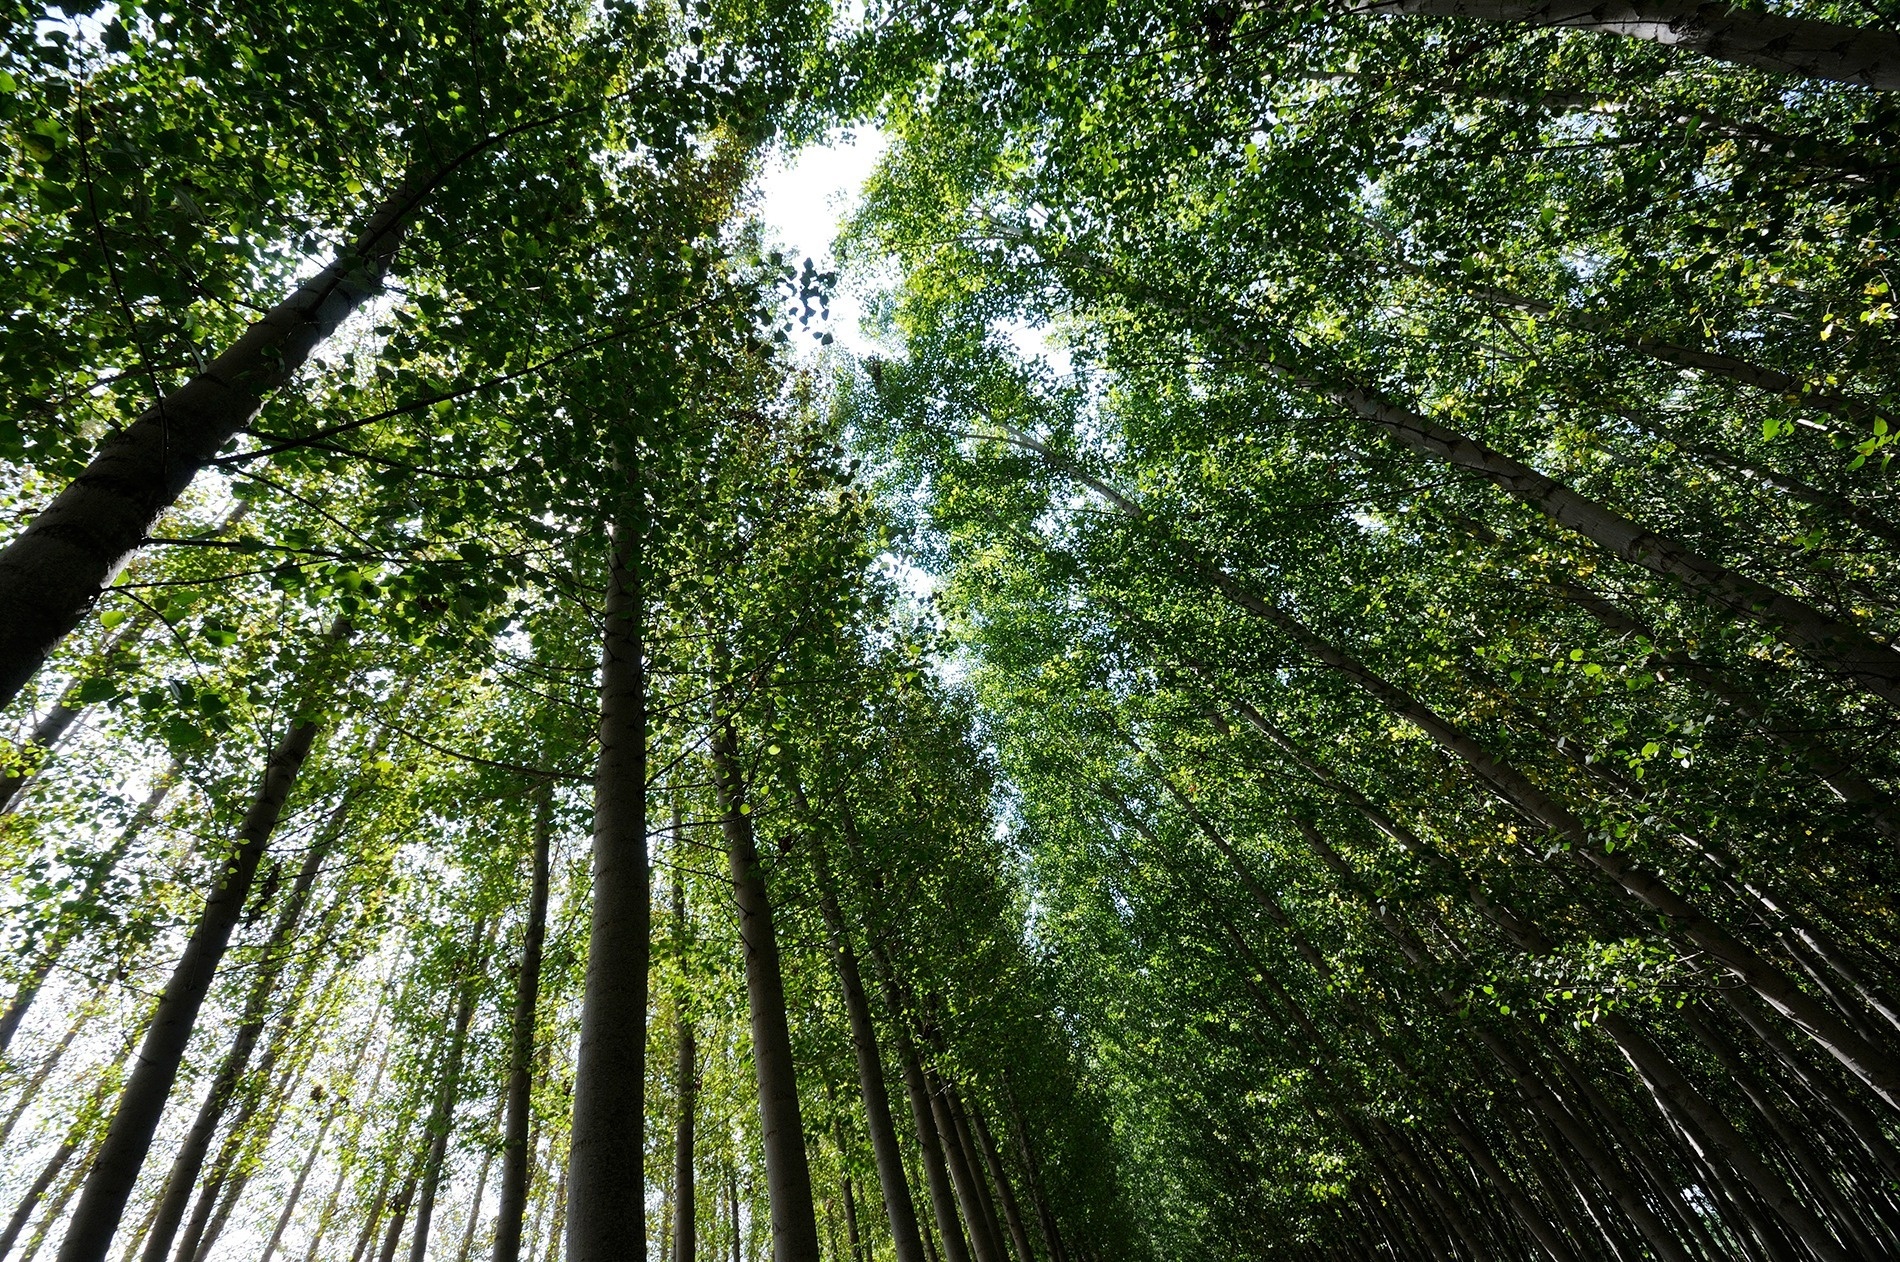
(787, 1174)
(441, 1122)
(936, 1177)
(303, 1177)
(1774, 42)
(51, 573)
(175, 1198)
(985, 1235)
(686, 1072)
(889, 1153)
(606, 1218)
(1012, 1212)
(129, 1137)
(514, 1148)
(398, 1215)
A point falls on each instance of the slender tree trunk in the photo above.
(943, 1201)
(1038, 1193)
(474, 1222)
(57, 723)
(398, 1215)
(97, 874)
(442, 1115)
(175, 1198)
(963, 1175)
(787, 1174)
(1012, 1212)
(686, 1074)
(129, 1137)
(51, 574)
(55, 1208)
(30, 1200)
(303, 1177)
(88, 1011)
(514, 1149)
(1807, 47)
(852, 1240)
(889, 1153)
(606, 1219)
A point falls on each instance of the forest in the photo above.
(1316, 680)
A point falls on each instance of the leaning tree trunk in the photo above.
(514, 1151)
(442, 1113)
(1012, 1211)
(129, 1136)
(898, 1206)
(606, 1216)
(983, 1243)
(1808, 47)
(51, 574)
(787, 1174)
(943, 1203)
(175, 1198)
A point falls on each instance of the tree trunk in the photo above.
(303, 1177)
(30, 1089)
(606, 1220)
(129, 1137)
(175, 1198)
(30, 1199)
(398, 1215)
(101, 869)
(475, 1206)
(1039, 1194)
(1018, 1229)
(889, 1153)
(514, 1146)
(787, 1174)
(51, 574)
(686, 1073)
(442, 1115)
(936, 1177)
(1777, 43)
(985, 1238)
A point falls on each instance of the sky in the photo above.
(804, 197)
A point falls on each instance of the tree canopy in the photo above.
(1320, 685)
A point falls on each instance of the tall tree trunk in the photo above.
(474, 1222)
(943, 1201)
(97, 873)
(999, 1174)
(129, 1137)
(787, 1173)
(57, 723)
(442, 1114)
(685, 1073)
(303, 1175)
(963, 1177)
(606, 1219)
(885, 1148)
(87, 1012)
(51, 574)
(1045, 1211)
(175, 1197)
(514, 1146)
(1774, 42)
(398, 1216)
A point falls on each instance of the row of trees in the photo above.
(1438, 620)
(326, 610)
(1434, 637)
